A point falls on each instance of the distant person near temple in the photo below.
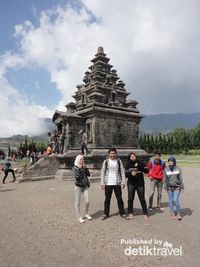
(8, 168)
(83, 141)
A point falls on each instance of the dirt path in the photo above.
(38, 228)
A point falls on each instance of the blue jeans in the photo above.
(174, 201)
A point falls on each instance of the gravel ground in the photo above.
(38, 227)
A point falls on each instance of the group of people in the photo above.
(113, 178)
(56, 141)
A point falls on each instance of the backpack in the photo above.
(118, 162)
(153, 163)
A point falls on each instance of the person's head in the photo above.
(132, 157)
(79, 161)
(112, 153)
(81, 131)
(49, 134)
(157, 156)
(172, 161)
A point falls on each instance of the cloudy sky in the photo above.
(46, 46)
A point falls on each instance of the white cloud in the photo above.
(18, 115)
(152, 44)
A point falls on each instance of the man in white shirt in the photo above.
(113, 178)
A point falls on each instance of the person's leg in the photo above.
(131, 196)
(120, 203)
(86, 198)
(152, 191)
(159, 193)
(176, 201)
(140, 192)
(108, 194)
(77, 200)
(13, 174)
(86, 148)
(5, 176)
(82, 148)
(170, 197)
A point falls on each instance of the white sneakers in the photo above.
(87, 216)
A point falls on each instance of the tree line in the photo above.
(179, 140)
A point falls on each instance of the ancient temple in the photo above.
(101, 109)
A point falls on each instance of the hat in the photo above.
(172, 158)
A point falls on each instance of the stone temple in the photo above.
(102, 110)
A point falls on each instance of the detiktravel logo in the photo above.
(151, 247)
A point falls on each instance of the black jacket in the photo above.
(140, 168)
(81, 177)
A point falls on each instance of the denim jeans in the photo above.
(118, 193)
(174, 201)
(153, 184)
(131, 195)
(78, 191)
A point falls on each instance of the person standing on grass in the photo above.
(112, 179)
(134, 172)
(173, 183)
(81, 174)
(156, 169)
(8, 168)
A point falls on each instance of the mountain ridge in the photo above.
(164, 123)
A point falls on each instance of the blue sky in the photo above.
(46, 46)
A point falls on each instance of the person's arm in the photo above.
(87, 171)
(149, 167)
(122, 174)
(181, 179)
(143, 168)
(164, 166)
(103, 170)
(77, 176)
(165, 180)
(127, 171)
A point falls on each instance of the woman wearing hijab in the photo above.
(82, 184)
(173, 183)
(134, 172)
